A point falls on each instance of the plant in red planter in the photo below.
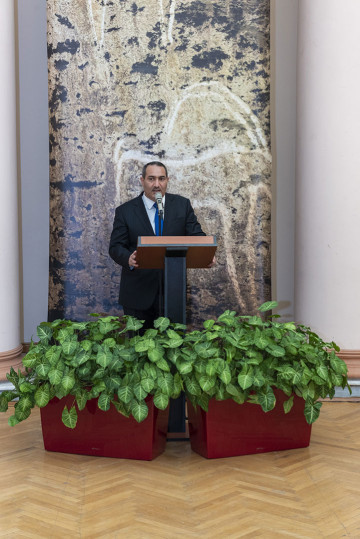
(93, 376)
(253, 384)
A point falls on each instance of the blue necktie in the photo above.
(157, 221)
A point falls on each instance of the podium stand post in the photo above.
(175, 284)
(175, 309)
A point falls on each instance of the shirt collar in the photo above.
(150, 203)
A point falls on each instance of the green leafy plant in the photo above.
(95, 359)
(245, 357)
(234, 357)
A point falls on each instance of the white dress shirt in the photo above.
(150, 210)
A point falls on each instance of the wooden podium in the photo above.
(174, 254)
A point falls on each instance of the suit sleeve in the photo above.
(193, 227)
(119, 248)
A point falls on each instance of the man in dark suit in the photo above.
(140, 288)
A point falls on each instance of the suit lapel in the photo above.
(141, 216)
(169, 211)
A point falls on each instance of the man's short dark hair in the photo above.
(157, 163)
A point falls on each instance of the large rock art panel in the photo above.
(183, 82)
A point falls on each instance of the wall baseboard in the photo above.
(352, 360)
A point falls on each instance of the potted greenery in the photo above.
(78, 371)
(254, 383)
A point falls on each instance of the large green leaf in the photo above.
(323, 372)
(42, 369)
(192, 386)
(106, 326)
(203, 401)
(338, 365)
(12, 421)
(260, 340)
(53, 354)
(208, 324)
(161, 401)
(64, 334)
(81, 398)
(81, 357)
(27, 387)
(267, 306)
(174, 343)
(258, 378)
(147, 383)
(5, 398)
(132, 324)
(122, 408)
(162, 324)
(113, 382)
(42, 395)
(312, 411)
(166, 383)
(151, 370)
(207, 382)
(266, 399)
(80, 326)
(288, 404)
(68, 381)
(139, 410)
(233, 390)
(178, 385)
(56, 373)
(184, 367)
(21, 415)
(139, 391)
(144, 345)
(104, 356)
(44, 332)
(26, 402)
(86, 345)
(125, 394)
(211, 367)
(69, 417)
(128, 354)
(155, 354)
(31, 359)
(163, 365)
(225, 375)
(104, 401)
(246, 378)
(276, 350)
(69, 347)
(15, 378)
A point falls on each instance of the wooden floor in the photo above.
(304, 493)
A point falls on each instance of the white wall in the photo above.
(34, 155)
(284, 14)
(34, 149)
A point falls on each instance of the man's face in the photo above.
(154, 181)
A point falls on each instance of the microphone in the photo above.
(158, 200)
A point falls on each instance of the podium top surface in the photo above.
(199, 250)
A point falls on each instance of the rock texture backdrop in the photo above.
(186, 82)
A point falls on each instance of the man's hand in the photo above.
(212, 263)
(132, 260)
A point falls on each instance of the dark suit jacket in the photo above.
(139, 287)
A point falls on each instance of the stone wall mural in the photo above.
(185, 82)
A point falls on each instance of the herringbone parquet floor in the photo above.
(304, 493)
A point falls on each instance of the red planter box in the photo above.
(104, 434)
(229, 429)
